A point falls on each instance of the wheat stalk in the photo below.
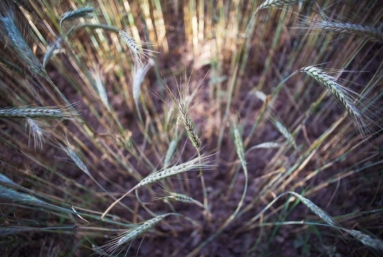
(182, 104)
(23, 4)
(239, 147)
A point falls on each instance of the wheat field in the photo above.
(191, 128)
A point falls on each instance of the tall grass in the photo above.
(94, 105)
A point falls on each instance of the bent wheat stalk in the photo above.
(241, 155)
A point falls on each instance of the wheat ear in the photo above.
(363, 238)
(75, 14)
(56, 45)
(286, 133)
(11, 66)
(69, 151)
(38, 112)
(342, 95)
(19, 45)
(117, 244)
(266, 145)
(37, 132)
(275, 3)
(182, 105)
(366, 239)
(196, 163)
(170, 152)
(138, 51)
(368, 32)
(101, 88)
(172, 196)
(318, 211)
(139, 73)
(240, 149)
(14, 196)
(5, 180)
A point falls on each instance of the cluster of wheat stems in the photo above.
(108, 116)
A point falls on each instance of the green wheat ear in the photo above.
(14, 38)
(5, 180)
(52, 48)
(75, 14)
(14, 196)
